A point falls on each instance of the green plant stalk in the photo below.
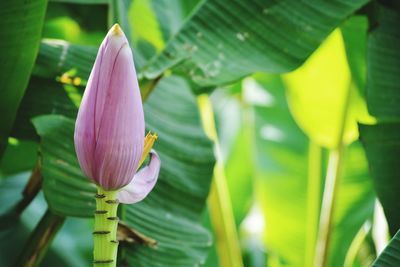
(327, 207)
(313, 200)
(222, 219)
(330, 190)
(219, 201)
(40, 240)
(105, 229)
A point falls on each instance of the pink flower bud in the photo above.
(109, 130)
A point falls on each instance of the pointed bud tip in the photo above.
(116, 29)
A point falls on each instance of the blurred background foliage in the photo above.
(278, 126)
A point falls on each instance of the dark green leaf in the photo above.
(226, 40)
(383, 81)
(354, 32)
(20, 29)
(382, 146)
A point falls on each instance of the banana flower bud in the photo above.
(109, 130)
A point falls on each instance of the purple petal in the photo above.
(109, 131)
(142, 183)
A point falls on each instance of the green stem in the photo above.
(330, 190)
(40, 240)
(105, 229)
(313, 200)
(328, 206)
(219, 201)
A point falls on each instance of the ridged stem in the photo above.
(105, 229)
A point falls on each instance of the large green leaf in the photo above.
(20, 29)
(172, 211)
(226, 40)
(382, 146)
(383, 80)
(322, 91)
(318, 93)
(381, 141)
(390, 257)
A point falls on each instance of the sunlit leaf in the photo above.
(144, 24)
(321, 95)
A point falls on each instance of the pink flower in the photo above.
(109, 130)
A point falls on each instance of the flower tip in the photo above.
(116, 29)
